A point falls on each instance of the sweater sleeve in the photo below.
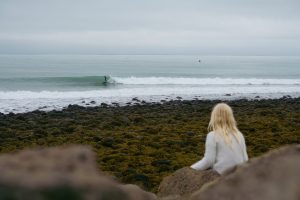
(245, 150)
(210, 154)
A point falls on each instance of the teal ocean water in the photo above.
(46, 82)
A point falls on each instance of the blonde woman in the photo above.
(225, 145)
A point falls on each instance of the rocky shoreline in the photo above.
(143, 142)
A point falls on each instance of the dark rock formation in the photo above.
(58, 174)
(184, 182)
(275, 176)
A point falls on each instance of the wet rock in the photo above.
(19, 117)
(161, 162)
(73, 107)
(135, 99)
(108, 141)
(187, 102)
(60, 173)
(11, 114)
(104, 105)
(115, 104)
(189, 133)
(97, 138)
(286, 97)
(92, 102)
(275, 176)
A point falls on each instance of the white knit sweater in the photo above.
(219, 155)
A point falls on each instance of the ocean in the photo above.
(48, 82)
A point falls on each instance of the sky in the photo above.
(211, 27)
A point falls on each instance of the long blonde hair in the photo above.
(222, 122)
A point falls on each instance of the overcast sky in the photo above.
(212, 27)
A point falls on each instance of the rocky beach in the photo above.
(111, 100)
(142, 143)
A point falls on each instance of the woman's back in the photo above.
(219, 155)
(229, 156)
(225, 146)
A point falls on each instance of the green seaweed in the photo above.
(143, 143)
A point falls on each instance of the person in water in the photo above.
(225, 145)
(105, 80)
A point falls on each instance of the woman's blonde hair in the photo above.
(222, 122)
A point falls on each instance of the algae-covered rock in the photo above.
(60, 173)
(275, 175)
(152, 139)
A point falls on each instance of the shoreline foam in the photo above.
(60, 100)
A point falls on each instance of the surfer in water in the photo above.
(105, 80)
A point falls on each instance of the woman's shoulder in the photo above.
(241, 134)
(212, 136)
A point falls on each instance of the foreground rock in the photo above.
(184, 182)
(275, 176)
(58, 174)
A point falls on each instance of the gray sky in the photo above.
(212, 27)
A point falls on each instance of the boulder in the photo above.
(184, 182)
(134, 192)
(60, 173)
(275, 175)
(173, 197)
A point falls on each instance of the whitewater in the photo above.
(149, 89)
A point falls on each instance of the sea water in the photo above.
(47, 82)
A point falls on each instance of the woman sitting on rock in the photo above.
(225, 145)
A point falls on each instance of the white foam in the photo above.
(202, 81)
(25, 101)
(146, 91)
